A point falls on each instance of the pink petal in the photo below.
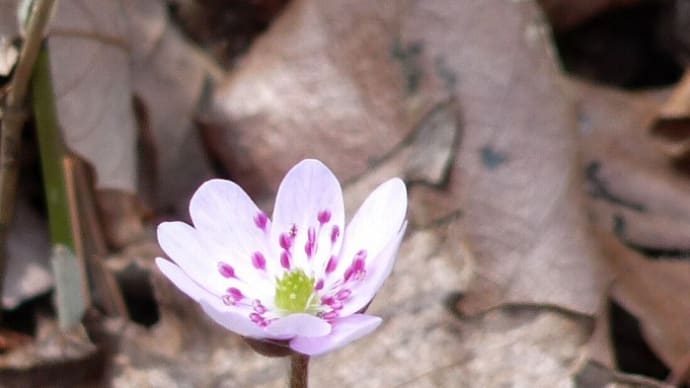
(231, 225)
(344, 331)
(180, 279)
(365, 290)
(232, 320)
(304, 325)
(182, 244)
(377, 222)
(308, 190)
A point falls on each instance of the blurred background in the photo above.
(545, 146)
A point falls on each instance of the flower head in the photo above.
(301, 277)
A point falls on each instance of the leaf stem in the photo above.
(52, 150)
(299, 371)
(66, 231)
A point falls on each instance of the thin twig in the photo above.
(68, 166)
(89, 239)
(14, 117)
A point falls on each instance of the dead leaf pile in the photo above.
(535, 198)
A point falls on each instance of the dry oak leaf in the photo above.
(92, 82)
(331, 80)
(170, 75)
(639, 197)
(516, 177)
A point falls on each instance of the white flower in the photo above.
(300, 278)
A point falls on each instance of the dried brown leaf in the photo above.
(517, 176)
(642, 199)
(648, 289)
(314, 86)
(92, 81)
(171, 77)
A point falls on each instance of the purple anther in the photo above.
(332, 264)
(259, 261)
(235, 293)
(343, 294)
(261, 220)
(324, 216)
(310, 245)
(319, 285)
(259, 307)
(285, 259)
(285, 241)
(335, 233)
(226, 270)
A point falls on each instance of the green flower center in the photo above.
(294, 292)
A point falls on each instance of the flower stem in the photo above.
(299, 371)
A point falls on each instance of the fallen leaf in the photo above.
(346, 96)
(648, 289)
(656, 234)
(516, 177)
(172, 77)
(92, 82)
(638, 197)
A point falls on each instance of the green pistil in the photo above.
(294, 292)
